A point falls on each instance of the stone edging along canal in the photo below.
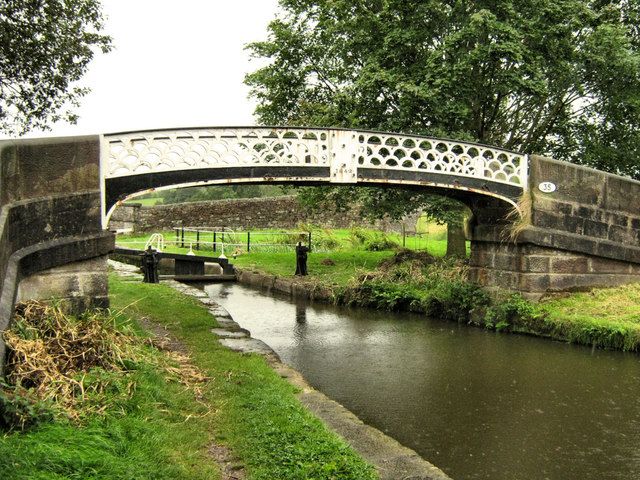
(294, 287)
(392, 460)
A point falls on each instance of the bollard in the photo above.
(150, 262)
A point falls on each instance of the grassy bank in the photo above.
(153, 426)
(121, 419)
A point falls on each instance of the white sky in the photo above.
(174, 64)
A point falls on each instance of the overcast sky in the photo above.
(174, 64)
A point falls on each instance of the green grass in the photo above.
(349, 256)
(146, 201)
(621, 304)
(162, 432)
(606, 317)
(156, 433)
(323, 241)
(347, 264)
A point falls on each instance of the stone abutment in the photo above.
(583, 234)
(51, 240)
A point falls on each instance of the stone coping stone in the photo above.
(223, 333)
(247, 345)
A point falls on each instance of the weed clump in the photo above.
(419, 282)
(60, 365)
(380, 243)
(54, 360)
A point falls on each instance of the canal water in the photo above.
(477, 404)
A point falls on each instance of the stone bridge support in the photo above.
(584, 234)
(51, 240)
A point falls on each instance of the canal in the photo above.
(477, 404)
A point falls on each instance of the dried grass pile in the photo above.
(180, 367)
(76, 366)
(51, 353)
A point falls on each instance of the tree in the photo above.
(45, 47)
(556, 77)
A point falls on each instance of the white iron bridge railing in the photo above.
(343, 151)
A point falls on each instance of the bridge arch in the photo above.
(483, 177)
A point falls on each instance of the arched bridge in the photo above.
(134, 162)
(574, 228)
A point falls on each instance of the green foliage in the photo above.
(358, 236)
(504, 312)
(45, 47)
(454, 300)
(381, 294)
(378, 203)
(325, 240)
(554, 76)
(218, 192)
(21, 409)
(380, 243)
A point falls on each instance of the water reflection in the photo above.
(300, 327)
(477, 404)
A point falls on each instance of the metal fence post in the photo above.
(214, 241)
(197, 239)
(309, 241)
(182, 243)
(248, 242)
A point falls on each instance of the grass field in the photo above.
(322, 240)
(336, 266)
(146, 201)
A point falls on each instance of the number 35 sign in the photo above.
(547, 187)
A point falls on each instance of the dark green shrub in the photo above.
(21, 409)
(325, 241)
(503, 313)
(357, 236)
(454, 300)
(382, 295)
(380, 243)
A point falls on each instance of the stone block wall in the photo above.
(78, 285)
(535, 271)
(587, 202)
(585, 234)
(50, 224)
(251, 213)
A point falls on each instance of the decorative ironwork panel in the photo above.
(344, 151)
(175, 150)
(404, 152)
